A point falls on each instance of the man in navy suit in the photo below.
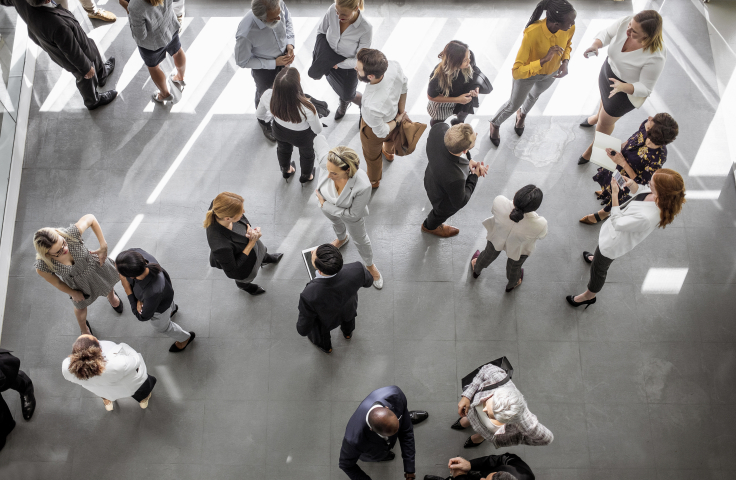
(13, 378)
(381, 419)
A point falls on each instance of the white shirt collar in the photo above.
(319, 274)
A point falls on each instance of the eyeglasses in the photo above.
(59, 253)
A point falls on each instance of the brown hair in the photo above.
(670, 189)
(345, 159)
(374, 62)
(651, 24)
(86, 360)
(664, 130)
(459, 138)
(43, 240)
(451, 60)
(226, 204)
(288, 101)
(351, 4)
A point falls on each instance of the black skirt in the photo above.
(618, 105)
(153, 57)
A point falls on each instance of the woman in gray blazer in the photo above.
(344, 191)
(156, 32)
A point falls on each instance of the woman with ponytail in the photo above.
(109, 370)
(655, 205)
(514, 228)
(235, 246)
(543, 57)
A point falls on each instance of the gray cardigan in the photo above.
(152, 27)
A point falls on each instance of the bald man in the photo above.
(381, 419)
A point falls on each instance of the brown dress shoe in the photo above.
(389, 156)
(443, 231)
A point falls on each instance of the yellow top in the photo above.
(535, 45)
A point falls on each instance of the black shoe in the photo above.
(456, 121)
(267, 132)
(304, 178)
(286, 174)
(28, 403)
(174, 349)
(586, 255)
(173, 312)
(341, 110)
(253, 289)
(457, 426)
(585, 124)
(518, 284)
(517, 129)
(389, 456)
(322, 349)
(433, 477)
(276, 258)
(105, 98)
(469, 443)
(119, 308)
(571, 300)
(90, 329)
(582, 161)
(109, 68)
(496, 141)
(418, 416)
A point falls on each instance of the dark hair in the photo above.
(374, 62)
(288, 101)
(526, 200)
(86, 360)
(132, 264)
(328, 259)
(664, 130)
(556, 11)
(36, 3)
(451, 59)
(504, 476)
(651, 22)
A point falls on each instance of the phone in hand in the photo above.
(590, 54)
(619, 179)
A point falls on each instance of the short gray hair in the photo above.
(508, 404)
(261, 8)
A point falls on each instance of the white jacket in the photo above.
(516, 239)
(628, 227)
(125, 371)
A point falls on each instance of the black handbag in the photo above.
(481, 81)
(503, 363)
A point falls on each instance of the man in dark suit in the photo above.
(57, 32)
(446, 179)
(12, 377)
(381, 419)
(493, 467)
(331, 299)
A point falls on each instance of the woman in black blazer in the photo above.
(235, 246)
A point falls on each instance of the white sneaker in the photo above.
(378, 283)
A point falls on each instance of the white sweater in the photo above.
(516, 239)
(627, 228)
(311, 120)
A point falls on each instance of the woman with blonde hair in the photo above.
(636, 58)
(235, 246)
(655, 205)
(344, 192)
(109, 370)
(452, 89)
(64, 261)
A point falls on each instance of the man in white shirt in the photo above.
(382, 109)
(265, 44)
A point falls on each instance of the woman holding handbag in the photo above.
(455, 84)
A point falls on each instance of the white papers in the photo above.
(599, 155)
(307, 256)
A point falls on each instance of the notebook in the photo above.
(599, 155)
(307, 256)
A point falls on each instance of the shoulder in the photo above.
(395, 67)
(502, 202)
(534, 27)
(361, 180)
(72, 231)
(246, 24)
(364, 23)
(41, 265)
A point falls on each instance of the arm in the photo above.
(314, 122)
(406, 439)
(356, 209)
(605, 36)
(648, 78)
(230, 264)
(568, 47)
(349, 456)
(367, 277)
(290, 40)
(131, 296)
(528, 432)
(150, 304)
(124, 4)
(524, 66)
(87, 221)
(460, 192)
(56, 282)
(626, 223)
(402, 99)
(365, 42)
(307, 317)
(69, 47)
(244, 57)
(487, 373)
(137, 25)
(263, 112)
(324, 25)
(544, 232)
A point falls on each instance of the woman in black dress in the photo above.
(641, 155)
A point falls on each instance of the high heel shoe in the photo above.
(571, 300)
(586, 255)
(119, 308)
(286, 174)
(589, 222)
(585, 124)
(582, 161)
(180, 84)
(163, 100)
(304, 179)
(469, 443)
(456, 425)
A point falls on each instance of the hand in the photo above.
(618, 159)
(463, 406)
(400, 117)
(284, 60)
(475, 92)
(614, 188)
(253, 234)
(139, 307)
(101, 254)
(320, 198)
(593, 49)
(616, 87)
(335, 67)
(290, 49)
(553, 50)
(562, 72)
(91, 73)
(630, 183)
(77, 296)
(464, 99)
(459, 465)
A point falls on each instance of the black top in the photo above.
(361, 442)
(59, 34)
(9, 367)
(459, 85)
(446, 179)
(331, 301)
(226, 250)
(508, 462)
(324, 58)
(155, 291)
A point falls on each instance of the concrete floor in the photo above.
(638, 386)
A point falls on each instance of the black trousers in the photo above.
(250, 287)
(287, 140)
(88, 87)
(264, 80)
(344, 82)
(21, 383)
(145, 389)
(320, 336)
(513, 267)
(437, 218)
(598, 271)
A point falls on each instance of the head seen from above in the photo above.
(668, 188)
(661, 129)
(267, 11)
(460, 138)
(506, 405)
(342, 163)
(227, 207)
(327, 259)
(560, 15)
(132, 264)
(348, 10)
(50, 243)
(371, 66)
(454, 59)
(527, 199)
(646, 29)
(288, 101)
(383, 421)
(86, 360)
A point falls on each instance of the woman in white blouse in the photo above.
(514, 228)
(347, 31)
(343, 194)
(655, 205)
(109, 370)
(636, 58)
(294, 120)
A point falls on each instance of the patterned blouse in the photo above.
(85, 273)
(643, 160)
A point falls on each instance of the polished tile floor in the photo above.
(638, 386)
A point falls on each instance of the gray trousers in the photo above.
(524, 94)
(357, 232)
(513, 267)
(598, 271)
(161, 322)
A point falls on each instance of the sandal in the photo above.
(587, 221)
(180, 84)
(170, 98)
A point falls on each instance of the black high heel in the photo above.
(303, 179)
(119, 308)
(469, 443)
(286, 173)
(586, 255)
(582, 161)
(571, 300)
(585, 124)
(456, 425)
